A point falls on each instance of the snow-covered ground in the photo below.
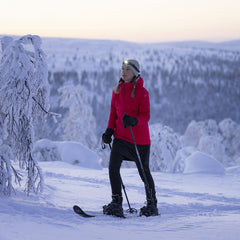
(192, 206)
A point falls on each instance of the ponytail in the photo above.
(118, 87)
(134, 81)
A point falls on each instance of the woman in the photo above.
(130, 106)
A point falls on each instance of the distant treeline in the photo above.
(184, 83)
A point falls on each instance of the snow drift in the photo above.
(200, 162)
(71, 152)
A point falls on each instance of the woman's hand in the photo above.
(107, 136)
(129, 121)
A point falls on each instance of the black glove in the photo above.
(107, 136)
(129, 121)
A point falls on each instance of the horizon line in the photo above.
(128, 41)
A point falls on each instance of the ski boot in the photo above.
(150, 209)
(115, 207)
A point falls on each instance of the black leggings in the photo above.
(123, 150)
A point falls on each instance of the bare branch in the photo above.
(44, 110)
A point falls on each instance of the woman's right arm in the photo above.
(113, 113)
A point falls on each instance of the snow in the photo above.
(71, 152)
(192, 206)
(200, 162)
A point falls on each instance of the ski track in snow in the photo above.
(191, 207)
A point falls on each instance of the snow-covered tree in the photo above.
(78, 123)
(221, 141)
(164, 146)
(23, 101)
(231, 138)
(195, 130)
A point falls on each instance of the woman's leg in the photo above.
(151, 208)
(115, 162)
(144, 152)
(115, 206)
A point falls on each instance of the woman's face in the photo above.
(127, 73)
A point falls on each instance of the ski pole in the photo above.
(141, 165)
(130, 210)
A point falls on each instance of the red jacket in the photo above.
(138, 107)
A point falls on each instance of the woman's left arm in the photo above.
(143, 108)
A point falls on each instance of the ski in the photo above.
(81, 213)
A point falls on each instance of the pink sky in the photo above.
(129, 20)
